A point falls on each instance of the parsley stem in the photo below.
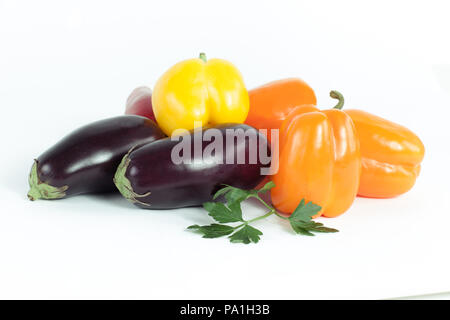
(246, 222)
(272, 211)
(280, 216)
(270, 208)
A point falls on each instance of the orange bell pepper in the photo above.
(271, 103)
(319, 160)
(391, 156)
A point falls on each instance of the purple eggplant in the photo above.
(85, 161)
(188, 171)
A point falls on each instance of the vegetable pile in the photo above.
(201, 139)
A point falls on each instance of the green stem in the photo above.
(202, 56)
(241, 225)
(124, 185)
(337, 95)
(246, 222)
(270, 208)
(41, 190)
(280, 216)
(271, 212)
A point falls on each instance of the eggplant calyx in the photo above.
(42, 190)
(124, 185)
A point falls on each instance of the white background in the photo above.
(66, 63)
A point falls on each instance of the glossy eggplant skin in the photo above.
(85, 160)
(150, 179)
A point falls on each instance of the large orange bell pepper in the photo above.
(271, 103)
(391, 156)
(319, 160)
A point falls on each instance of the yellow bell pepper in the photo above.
(197, 91)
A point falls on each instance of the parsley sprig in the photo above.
(242, 232)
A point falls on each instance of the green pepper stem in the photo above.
(337, 95)
(202, 56)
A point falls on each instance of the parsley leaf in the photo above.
(223, 214)
(304, 212)
(301, 220)
(233, 194)
(213, 231)
(222, 191)
(237, 195)
(246, 235)
(269, 185)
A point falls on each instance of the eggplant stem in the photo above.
(42, 190)
(124, 185)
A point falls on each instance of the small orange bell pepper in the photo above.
(319, 160)
(391, 156)
(271, 103)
